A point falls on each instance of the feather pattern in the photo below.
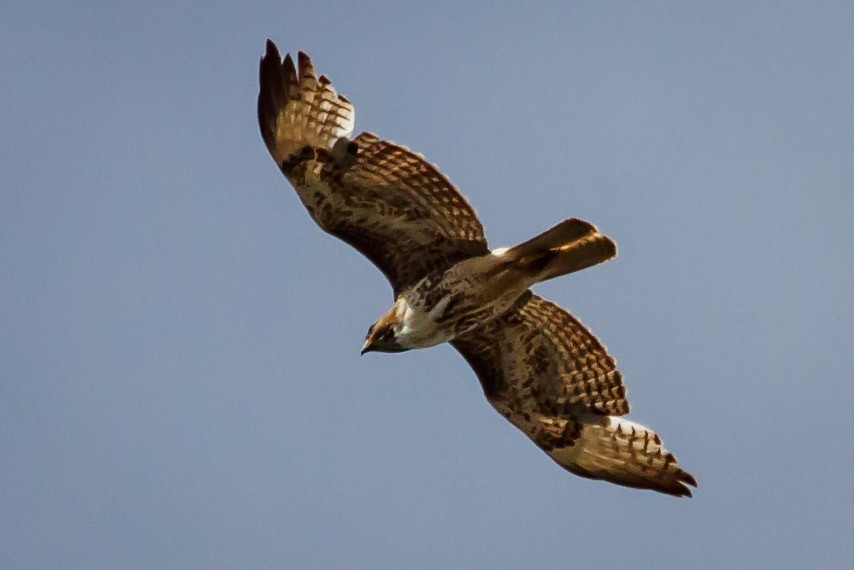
(550, 377)
(383, 199)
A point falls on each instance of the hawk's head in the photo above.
(381, 336)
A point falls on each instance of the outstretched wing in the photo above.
(550, 377)
(383, 199)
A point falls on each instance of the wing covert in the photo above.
(540, 357)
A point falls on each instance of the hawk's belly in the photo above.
(445, 305)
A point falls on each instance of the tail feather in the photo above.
(571, 245)
(626, 453)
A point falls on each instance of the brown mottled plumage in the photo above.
(539, 367)
(383, 199)
(550, 377)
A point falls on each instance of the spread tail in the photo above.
(569, 246)
(626, 453)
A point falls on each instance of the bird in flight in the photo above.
(539, 366)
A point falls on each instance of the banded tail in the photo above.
(569, 246)
(626, 453)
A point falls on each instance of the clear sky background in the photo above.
(180, 380)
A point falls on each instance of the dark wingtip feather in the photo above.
(272, 50)
(689, 479)
(680, 487)
(272, 94)
(306, 68)
(289, 76)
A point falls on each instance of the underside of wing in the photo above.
(381, 198)
(542, 357)
(550, 377)
(623, 452)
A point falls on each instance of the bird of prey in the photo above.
(539, 367)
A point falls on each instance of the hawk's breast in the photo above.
(416, 328)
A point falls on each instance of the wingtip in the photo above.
(682, 489)
(690, 480)
(306, 68)
(272, 50)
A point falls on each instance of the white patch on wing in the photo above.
(498, 252)
(601, 447)
(625, 425)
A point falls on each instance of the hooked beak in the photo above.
(366, 347)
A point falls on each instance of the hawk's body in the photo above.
(448, 303)
(539, 367)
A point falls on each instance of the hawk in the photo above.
(539, 367)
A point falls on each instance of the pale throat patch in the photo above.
(414, 328)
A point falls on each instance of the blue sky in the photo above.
(180, 380)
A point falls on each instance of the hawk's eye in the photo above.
(370, 330)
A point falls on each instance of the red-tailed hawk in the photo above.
(539, 367)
